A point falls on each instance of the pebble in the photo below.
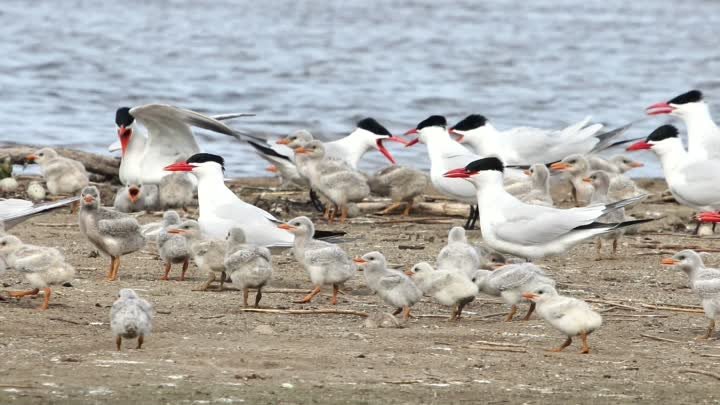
(264, 330)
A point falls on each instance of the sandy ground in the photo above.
(204, 350)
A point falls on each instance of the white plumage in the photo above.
(393, 286)
(458, 255)
(447, 287)
(130, 317)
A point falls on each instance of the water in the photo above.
(322, 65)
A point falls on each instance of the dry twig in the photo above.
(660, 339)
(703, 372)
(305, 311)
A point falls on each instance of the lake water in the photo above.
(322, 65)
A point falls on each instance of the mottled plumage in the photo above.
(130, 317)
(136, 198)
(447, 287)
(173, 248)
(176, 191)
(208, 255)
(394, 287)
(41, 266)
(62, 175)
(248, 265)
(402, 184)
(114, 233)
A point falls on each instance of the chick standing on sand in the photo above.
(130, 317)
(326, 264)
(402, 184)
(394, 287)
(458, 255)
(208, 255)
(173, 248)
(447, 287)
(62, 175)
(41, 266)
(113, 233)
(136, 198)
(571, 316)
(249, 266)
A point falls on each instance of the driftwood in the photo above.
(696, 310)
(445, 208)
(94, 163)
(703, 372)
(614, 304)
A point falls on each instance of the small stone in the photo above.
(287, 385)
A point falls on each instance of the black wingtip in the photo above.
(267, 151)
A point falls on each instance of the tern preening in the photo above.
(169, 139)
(531, 231)
(692, 181)
(703, 133)
(526, 145)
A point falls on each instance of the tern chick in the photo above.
(62, 175)
(136, 198)
(208, 255)
(393, 286)
(402, 184)
(249, 266)
(173, 248)
(130, 317)
(446, 286)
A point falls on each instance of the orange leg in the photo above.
(567, 343)
(344, 213)
(406, 313)
(246, 293)
(331, 216)
(326, 213)
(335, 293)
(585, 347)
(141, 339)
(20, 294)
(168, 266)
(511, 314)
(529, 312)
(46, 301)
(408, 208)
(186, 263)
(454, 315)
(112, 268)
(309, 297)
(391, 208)
(711, 329)
(118, 343)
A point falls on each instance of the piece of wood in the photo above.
(68, 321)
(498, 349)
(487, 343)
(708, 355)
(703, 372)
(674, 309)
(94, 163)
(660, 339)
(614, 304)
(444, 208)
(305, 311)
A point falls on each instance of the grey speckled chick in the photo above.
(209, 255)
(113, 233)
(130, 317)
(62, 175)
(458, 255)
(173, 248)
(577, 166)
(325, 263)
(446, 286)
(394, 287)
(249, 266)
(176, 191)
(539, 192)
(704, 281)
(136, 198)
(600, 181)
(41, 266)
(402, 184)
(510, 282)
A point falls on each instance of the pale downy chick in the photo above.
(326, 263)
(600, 182)
(394, 287)
(35, 191)
(578, 167)
(130, 317)
(509, 282)
(152, 230)
(176, 191)
(136, 198)
(458, 255)
(341, 186)
(539, 192)
(621, 186)
(208, 255)
(41, 266)
(617, 164)
(571, 316)
(113, 233)
(62, 175)
(447, 287)
(402, 184)
(704, 281)
(249, 266)
(173, 248)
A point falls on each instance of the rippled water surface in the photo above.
(67, 65)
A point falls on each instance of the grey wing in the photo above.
(707, 283)
(325, 256)
(119, 226)
(532, 224)
(391, 281)
(14, 211)
(240, 256)
(30, 259)
(264, 253)
(511, 279)
(700, 186)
